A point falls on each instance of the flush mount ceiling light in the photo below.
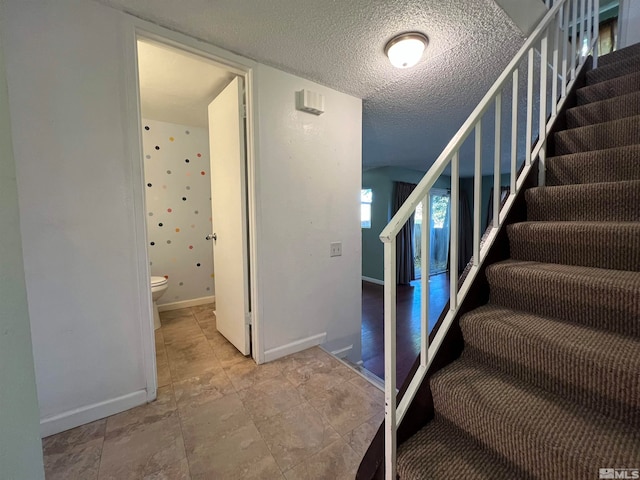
(406, 49)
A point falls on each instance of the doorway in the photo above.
(175, 89)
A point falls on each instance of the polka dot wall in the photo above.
(178, 198)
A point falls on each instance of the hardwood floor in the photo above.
(408, 322)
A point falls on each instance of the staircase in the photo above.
(548, 384)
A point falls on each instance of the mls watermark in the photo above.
(625, 473)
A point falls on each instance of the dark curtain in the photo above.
(405, 268)
(465, 233)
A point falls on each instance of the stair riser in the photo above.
(599, 247)
(544, 439)
(586, 302)
(612, 165)
(581, 376)
(619, 55)
(613, 109)
(609, 89)
(598, 137)
(613, 202)
(613, 70)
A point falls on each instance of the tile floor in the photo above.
(220, 416)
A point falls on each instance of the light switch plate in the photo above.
(336, 249)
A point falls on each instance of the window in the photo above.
(366, 197)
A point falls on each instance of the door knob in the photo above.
(211, 236)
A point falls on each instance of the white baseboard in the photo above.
(294, 347)
(194, 302)
(90, 413)
(373, 280)
(342, 352)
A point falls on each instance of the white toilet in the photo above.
(159, 285)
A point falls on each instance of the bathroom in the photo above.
(175, 89)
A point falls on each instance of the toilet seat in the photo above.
(158, 281)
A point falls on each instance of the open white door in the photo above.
(228, 198)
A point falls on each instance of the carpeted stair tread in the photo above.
(596, 297)
(609, 89)
(615, 133)
(619, 55)
(608, 165)
(614, 245)
(591, 202)
(613, 70)
(539, 432)
(440, 449)
(604, 111)
(594, 368)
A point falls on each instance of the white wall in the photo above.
(66, 90)
(309, 175)
(20, 447)
(178, 203)
(79, 191)
(629, 26)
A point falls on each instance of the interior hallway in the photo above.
(219, 415)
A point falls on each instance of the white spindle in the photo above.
(583, 27)
(453, 231)
(574, 37)
(390, 359)
(596, 31)
(529, 106)
(514, 131)
(496, 162)
(554, 63)
(565, 46)
(589, 24)
(477, 194)
(542, 135)
(424, 279)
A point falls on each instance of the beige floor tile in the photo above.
(205, 309)
(295, 435)
(313, 370)
(175, 471)
(360, 437)
(270, 397)
(240, 454)
(247, 373)
(209, 329)
(146, 449)
(209, 385)
(159, 339)
(181, 330)
(345, 406)
(336, 462)
(226, 353)
(223, 442)
(166, 318)
(74, 454)
(374, 392)
(192, 358)
(164, 375)
(128, 422)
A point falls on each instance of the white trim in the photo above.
(133, 29)
(342, 352)
(132, 119)
(165, 307)
(90, 413)
(294, 347)
(372, 280)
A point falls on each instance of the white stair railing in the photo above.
(568, 23)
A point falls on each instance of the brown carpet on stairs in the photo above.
(548, 385)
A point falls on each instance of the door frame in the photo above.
(133, 29)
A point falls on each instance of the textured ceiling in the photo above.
(409, 115)
(177, 86)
